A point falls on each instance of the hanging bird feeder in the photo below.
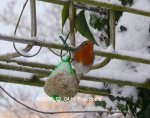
(62, 82)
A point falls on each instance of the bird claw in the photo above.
(78, 80)
(79, 77)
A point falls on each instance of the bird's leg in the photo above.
(79, 77)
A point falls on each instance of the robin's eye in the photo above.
(86, 43)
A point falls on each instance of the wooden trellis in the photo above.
(43, 70)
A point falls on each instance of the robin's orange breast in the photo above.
(85, 55)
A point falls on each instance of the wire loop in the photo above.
(64, 42)
(24, 55)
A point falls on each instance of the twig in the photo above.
(94, 91)
(72, 23)
(112, 28)
(33, 18)
(113, 7)
(101, 64)
(90, 8)
(27, 63)
(100, 4)
(24, 69)
(91, 78)
(59, 2)
(119, 82)
(114, 55)
(32, 81)
(35, 81)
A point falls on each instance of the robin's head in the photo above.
(87, 45)
(84, 53)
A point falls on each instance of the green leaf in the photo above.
(132, 108)
(112, 98)
(123, 28)
(122, 108)
(82, 26)
(64, 15)
(125, 2)
(101, 103)
(145, 111)
(101, 25)
(144, 95)
(95, 22)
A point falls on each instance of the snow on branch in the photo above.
(100, 4)
(123, 55)
(108, 79)
(27, 63)
(24, 69)
(114, 7)
(35, 81)
(118, 81)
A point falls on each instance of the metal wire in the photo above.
(66, 46)
(64, 41)
(16, 32)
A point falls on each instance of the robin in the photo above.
(83, 58)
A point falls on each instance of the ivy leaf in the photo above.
(145, 112)
(144, 95)
(64, 15)
(125, 2)
(100, 25)
(95, 22)
(123, 28)
(112, 98)
(132, 108)
(122, 108)
(82, 26)
(101, 103)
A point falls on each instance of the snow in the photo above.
(64, 0)
(97, 85)
(23, 52)
(121, 75)
(130, 92)
(117, 2)
(16, 74)
(142, 54)
(133, 42)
